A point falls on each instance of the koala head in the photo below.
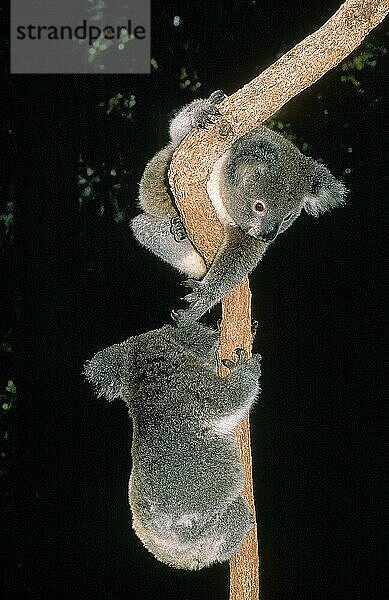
(266, 182)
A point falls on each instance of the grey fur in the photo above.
(186, 480)
(261, 166)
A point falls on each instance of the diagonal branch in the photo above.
(190, 169)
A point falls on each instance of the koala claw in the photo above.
(191, 283)
(254, 328)
(254, 324)
(193, 313)
(177, 229)
(205, 116)
(242, 358)
(217, 97)
(190, 298)
(228, 363)
(174, 315)
(241, 354)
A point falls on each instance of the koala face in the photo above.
(267, 182)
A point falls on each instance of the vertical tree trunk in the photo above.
(189, 173)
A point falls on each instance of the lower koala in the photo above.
(186, 480)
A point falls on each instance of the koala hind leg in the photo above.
(233, 526)
(155, 233)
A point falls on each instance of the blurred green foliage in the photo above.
(8, 398)
(104, 188)
(365, 59)
(189, 80)
(121, 105)
(6, 222)
(277, 124)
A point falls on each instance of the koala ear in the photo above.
(265, 151)
(257, 145)
(325, 192)
(247, 151)
(106, 371)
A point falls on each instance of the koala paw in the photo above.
(254, 328)
(253, 364)
(191, 283)
(200, 300)
(241, 354)
(242, 358)
(198, 293)
(217, 97)
(177, 229)
(204, 114)
(198, 306)
(192, 297)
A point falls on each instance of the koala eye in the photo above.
(288, 217)
(259, 207)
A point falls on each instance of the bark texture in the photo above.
(190, 169)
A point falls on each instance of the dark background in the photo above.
(75, 281)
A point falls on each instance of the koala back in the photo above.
(186, 479)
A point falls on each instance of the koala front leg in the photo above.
(238, 391)
(244, 374)
(238, 255)
(233, 524)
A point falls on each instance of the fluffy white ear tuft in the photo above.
(325, 192)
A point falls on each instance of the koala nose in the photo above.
(270, 231)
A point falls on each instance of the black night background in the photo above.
(75, 281)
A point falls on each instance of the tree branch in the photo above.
(190, 169)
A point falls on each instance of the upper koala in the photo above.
(186, 479)
(258, 188)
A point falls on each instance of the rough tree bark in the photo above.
(190, 169)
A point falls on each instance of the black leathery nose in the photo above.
(270, 231)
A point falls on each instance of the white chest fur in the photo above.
(215, 192)
(227, 424)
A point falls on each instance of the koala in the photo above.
(186, 479)
(258, 188)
